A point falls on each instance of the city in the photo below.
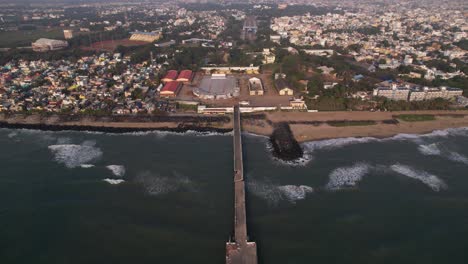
(208, 131)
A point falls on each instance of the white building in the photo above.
(43, 44)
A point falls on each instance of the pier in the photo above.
(240, 250)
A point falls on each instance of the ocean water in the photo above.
(75, 197)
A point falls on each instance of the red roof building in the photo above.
(170, 89)
(170, 76)
(185, 76)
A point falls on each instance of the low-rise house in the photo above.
(283, 87)
(255, 86)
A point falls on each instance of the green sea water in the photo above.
(399, 200)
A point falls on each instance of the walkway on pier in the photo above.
(240, 250)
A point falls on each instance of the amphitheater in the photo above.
(217, 86)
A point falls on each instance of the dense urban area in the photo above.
(122, 58)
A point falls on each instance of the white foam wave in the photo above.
(159, 133)
(113, 181)
(155, 184)
(275, 193)
(457, 157)
(294, 193)
(347, 176)
(86, 166)
(72, 155)
(434, 150)
(302, 161)
(434, 182)
(12, 135)
(117, 170)
(430, 150)
(329, 144)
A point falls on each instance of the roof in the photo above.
(281, 84)
(172, 74)
(255, 84)
(45, 41)
(156, 33)
(218, 84)
(170, 87)
(185, 74)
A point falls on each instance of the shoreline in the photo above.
(286, 131)
(111, 129)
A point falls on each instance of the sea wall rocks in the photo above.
(285, 146)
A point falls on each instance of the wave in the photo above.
(294, 193)
(434, 182)
(47, 135)
(72, 155)
(158, 133)
(328, 144)
(117, 170)
(113, 181)
(12, 135)
(300, 162)
(434, 150)
(347, 176)
(86, 166)
(155, 184)
(273, 194)
(253, 135)
(430, 150)
(457, 157)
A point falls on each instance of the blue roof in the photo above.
(359, 76)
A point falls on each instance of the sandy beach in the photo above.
(309, 132)
(304, 126)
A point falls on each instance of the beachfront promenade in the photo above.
(239, 250)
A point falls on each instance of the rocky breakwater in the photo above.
(284, 145)
(117, 124)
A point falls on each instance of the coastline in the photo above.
(308, 127)
(285, 130)
(113, 129)
(118, 125)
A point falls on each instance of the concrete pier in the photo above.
(240, 250)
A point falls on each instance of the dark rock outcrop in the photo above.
(285, 146)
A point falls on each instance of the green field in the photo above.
(416, 118)
(24, 38)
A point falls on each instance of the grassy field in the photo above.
(24, 38)
(416, 118)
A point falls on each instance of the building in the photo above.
(43, 45)
(283, 87)
(227, 70)
(275, 39)
(250, 28)
(170, 76)
(418, 93)
(165, 44)
(146, 36)
(68, 34)
(255, 86)
(297, 103)
(268, 57)
(170, 89)
(426, 93)
(185, 76)
(393, 93)
(217, 86)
